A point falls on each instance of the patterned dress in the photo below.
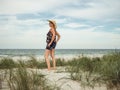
(48, 40)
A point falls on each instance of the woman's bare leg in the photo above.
(47, 52)
(52, 54)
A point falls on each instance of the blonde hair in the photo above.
(53, 26)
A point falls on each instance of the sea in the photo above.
(59, 53)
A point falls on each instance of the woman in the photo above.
(52, 38)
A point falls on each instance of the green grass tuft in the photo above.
(90, 71)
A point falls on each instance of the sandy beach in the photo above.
(62, 80)
(79, 73)
(58, 78)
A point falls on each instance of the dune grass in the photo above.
(87, 71)
(9, 63)
(20, 76)
(93, 71)
(23, 75)
(23, 79)
(34, 63)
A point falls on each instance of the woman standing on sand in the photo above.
(51, 43)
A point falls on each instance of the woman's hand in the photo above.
(49, 44)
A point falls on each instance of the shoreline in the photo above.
(41, 57)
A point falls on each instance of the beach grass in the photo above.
(21, 77)
(32, 62)
(85, 70)
(93, 71)
(7, 63)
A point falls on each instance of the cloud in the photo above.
(16, 33)
(29, 6)
(19, 33)
(81, 23)
(17, 38)
(117, 29)
(61, 20)
(76, 25)
(91, 10)
(88, 39)
(12, 22)
(94, 10)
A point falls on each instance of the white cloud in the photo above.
(13, 23)
(61, 20)
(117, 29)
(17, 33)
(76, 25)
(35, 38)
(88, 39)
(14, 35)
(94, 10)
(23, 38)
(29, 6)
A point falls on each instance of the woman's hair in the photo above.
(53, 26)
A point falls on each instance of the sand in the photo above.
(59, 78)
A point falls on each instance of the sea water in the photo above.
(60, 53)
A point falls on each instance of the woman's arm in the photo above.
(58, 36)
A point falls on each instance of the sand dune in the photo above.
(61, 79)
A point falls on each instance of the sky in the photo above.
(82, 24)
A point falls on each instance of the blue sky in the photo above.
(82, 24)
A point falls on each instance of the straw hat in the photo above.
(53, 22)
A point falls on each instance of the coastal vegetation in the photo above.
(96, 71)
